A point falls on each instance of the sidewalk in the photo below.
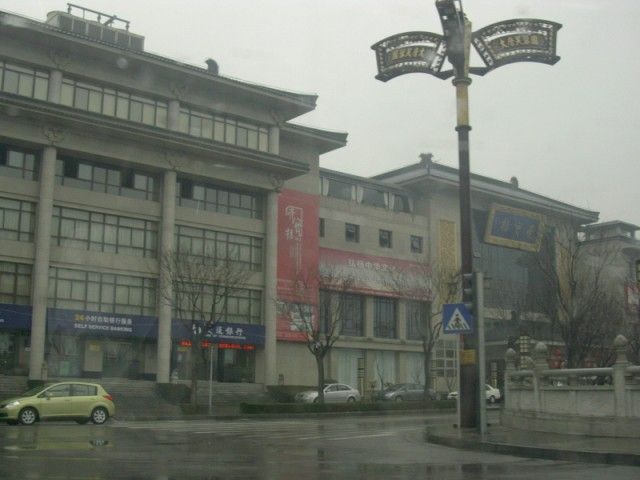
(550, 446)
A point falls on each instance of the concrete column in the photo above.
(540, 354)
(619, 373)
(401, 319)
(173, 115)
(270, 289)
(40, 287)
(511, 358)
(164, 286)
(368, 317)
(55, 86)
(274, 140)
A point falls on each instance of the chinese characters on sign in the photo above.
(514, 228)
(409, 52)
(517, 40)
(293, 234)
(102, 322)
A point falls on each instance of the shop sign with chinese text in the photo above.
(514, 228)
(410, 52)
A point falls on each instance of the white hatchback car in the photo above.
(492, 394)
(333, 393)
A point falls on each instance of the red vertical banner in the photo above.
(298, 254)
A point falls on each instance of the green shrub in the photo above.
(175, 393)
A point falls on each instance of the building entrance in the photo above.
(119, 359)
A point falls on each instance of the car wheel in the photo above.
(28, 416)
(492, 399)
(351, 400)
(398, 399)
(99, 415)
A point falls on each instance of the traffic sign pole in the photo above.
(479, 318)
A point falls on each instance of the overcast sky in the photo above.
(568, 131)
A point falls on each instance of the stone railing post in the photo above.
(619, 371)
(540, 353)
(511, 357)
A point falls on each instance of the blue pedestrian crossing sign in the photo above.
(456, 318)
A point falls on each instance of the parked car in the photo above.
(401, 392)
(492, 394)
(333, 393)
(77, 401)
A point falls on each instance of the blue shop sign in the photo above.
(101, 324)
(223, 332)
(15, 316)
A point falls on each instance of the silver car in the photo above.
(333, 393)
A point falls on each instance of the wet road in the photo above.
(349, 447)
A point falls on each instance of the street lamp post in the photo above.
(498, 44)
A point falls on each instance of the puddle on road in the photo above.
(59, 445)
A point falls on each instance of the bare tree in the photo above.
(580, 302)
(320, 318)
(197, 288)
(429, 287)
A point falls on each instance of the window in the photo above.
(385, 238)
(63, 390)
(353, 315)
(218, 199)
(240, 306)
(17, 163)
(225, 129)
(321, 227)
(384, 315)
(417, 314)
(15, 283)
(23, 81)
(401, 203)
(444, 359)
(103, 233)
(374, 197)
(416, 244)
(338, 189)
(105, 179)
(114, 103)
(352, 233)
(101, 292)
(80, 390)
(17, 219)
(242, 249)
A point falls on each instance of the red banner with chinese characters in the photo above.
(298, 245)
(379, 276)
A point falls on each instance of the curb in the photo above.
(608, 458)
(266, 416)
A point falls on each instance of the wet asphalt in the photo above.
(377, 447)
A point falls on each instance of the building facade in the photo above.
(111, 158)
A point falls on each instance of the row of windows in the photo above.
(224, 129)
(385, 237)
(17, 219)
(17, 163)
(101, 292)
(242, 249)
(352, 316)
(70, 172)
(114, 103)
(238, 306)
(23, 81)
(103, 233)
(117, 103)
(109, 293)
(105, 179)
(15, 283)
(366, 195)
(218, 199)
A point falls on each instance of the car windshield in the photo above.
(345, 217)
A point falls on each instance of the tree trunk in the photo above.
(320, 366)
(427, 375)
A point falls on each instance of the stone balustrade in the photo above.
(586, 401)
